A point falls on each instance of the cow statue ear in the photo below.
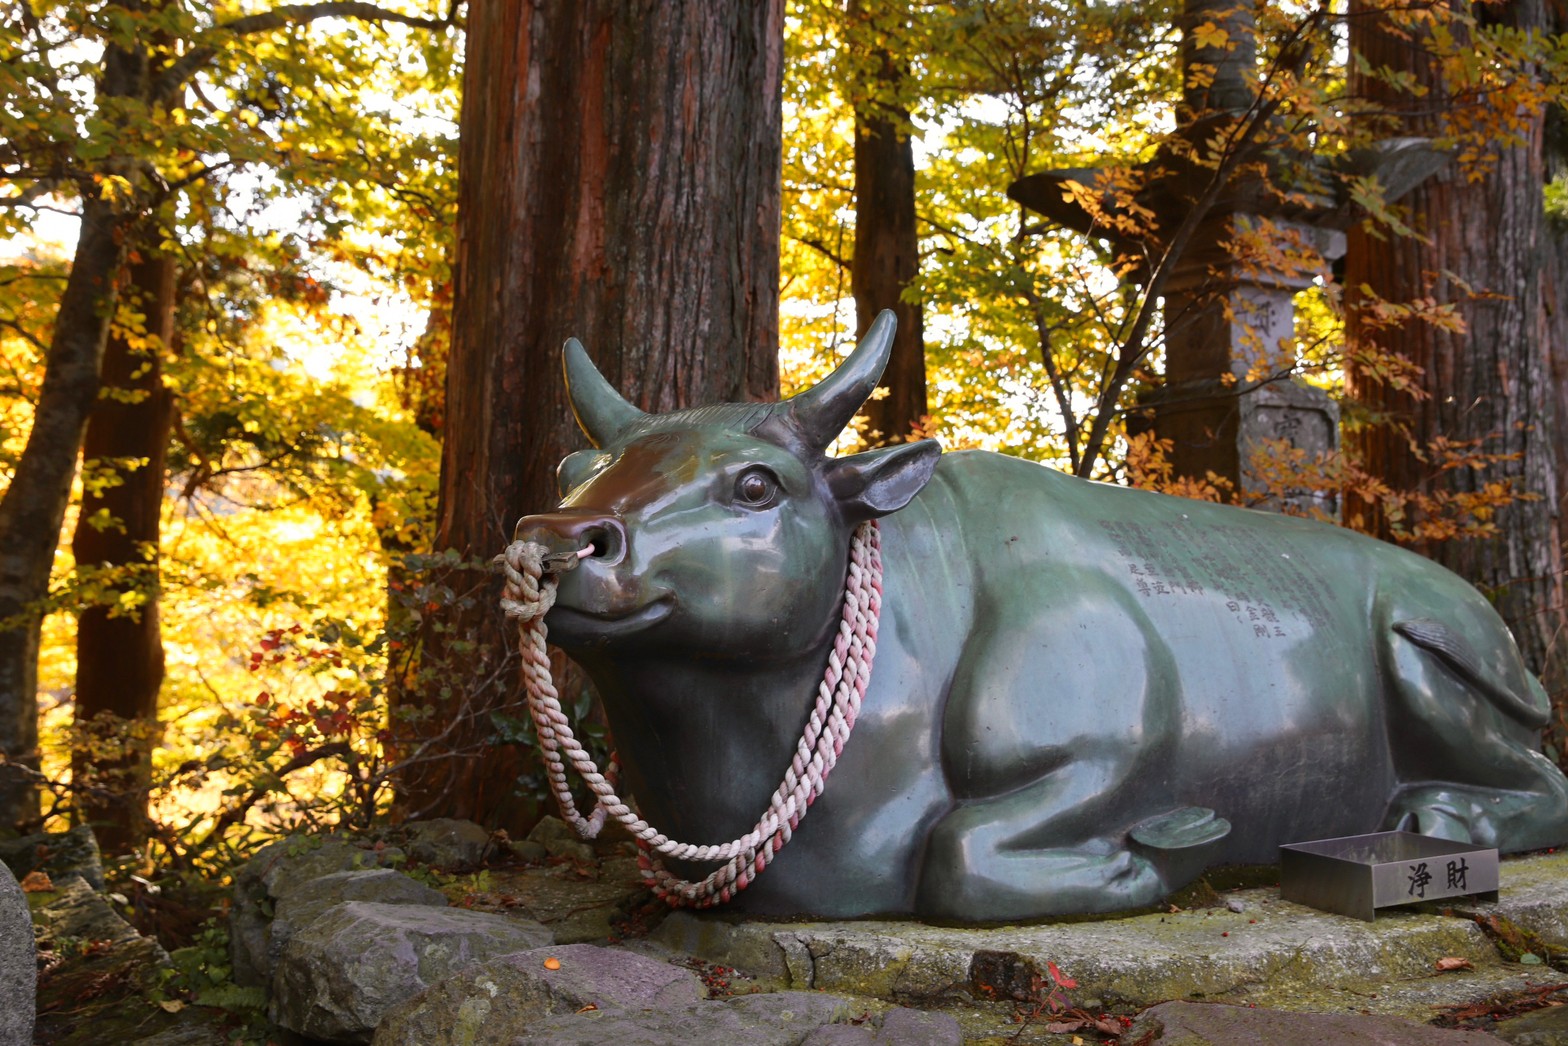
(881, 481)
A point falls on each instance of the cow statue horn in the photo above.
(601, 412)
(823, 410)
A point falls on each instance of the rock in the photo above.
(505, 997)
(841, 1035)
(559, 840)
(266, 877)
(193, 1026)
(355, 962)
(303, 902)
(74, 910)
(528, 850)
(575, 905)
(767, 1019)
(18, 963)
(1547, 1027)
(898, 1027)
(1213, 1024)
(58, 855)
(905, 1027)
(280, 865)
(101, 969)
(445, 842)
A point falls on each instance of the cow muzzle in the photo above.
(569, 531)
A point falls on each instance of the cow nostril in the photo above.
(597, 541)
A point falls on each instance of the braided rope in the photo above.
(528, 596)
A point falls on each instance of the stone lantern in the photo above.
(1230, 313)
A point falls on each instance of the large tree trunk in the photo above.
(620, 176)
(119, 654)
(1554, 280)
(887, 238)
(33, 508)
(1491, 382)
(1554, 287)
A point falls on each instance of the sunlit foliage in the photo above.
(306, 185)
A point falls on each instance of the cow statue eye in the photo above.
(756, 488)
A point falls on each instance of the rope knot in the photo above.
(528, 593)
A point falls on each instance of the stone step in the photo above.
(1251, 947)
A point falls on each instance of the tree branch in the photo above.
(236, 813)
(822, 249)
(292, 14)
(26, 335)
(196, 176)
(25, 198)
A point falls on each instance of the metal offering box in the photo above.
(1358, 874)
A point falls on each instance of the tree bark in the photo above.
(33, 508)
(886, 262)
(620, 169)
(119, 655)
(1554, 667)
(1492, 382)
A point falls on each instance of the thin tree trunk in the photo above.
(1490, 383)
(620, 177)
(119, 655)
(33, 508)
(887, 238)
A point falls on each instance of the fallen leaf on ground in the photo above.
(36, 882)
(1453, 962)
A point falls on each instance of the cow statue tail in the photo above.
(1531, 710)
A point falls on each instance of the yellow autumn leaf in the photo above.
(1210, 35)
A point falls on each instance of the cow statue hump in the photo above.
(1083, 695)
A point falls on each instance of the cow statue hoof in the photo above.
(1082, 695)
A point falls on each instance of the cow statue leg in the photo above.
(1047, 780)
(1470, 718)
(985, 861)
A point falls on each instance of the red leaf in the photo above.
(1060, 979)
(36, 882)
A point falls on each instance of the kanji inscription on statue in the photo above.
(1179, 559)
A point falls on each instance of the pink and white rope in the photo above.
(528, 596)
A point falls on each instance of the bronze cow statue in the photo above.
(1083, 695)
